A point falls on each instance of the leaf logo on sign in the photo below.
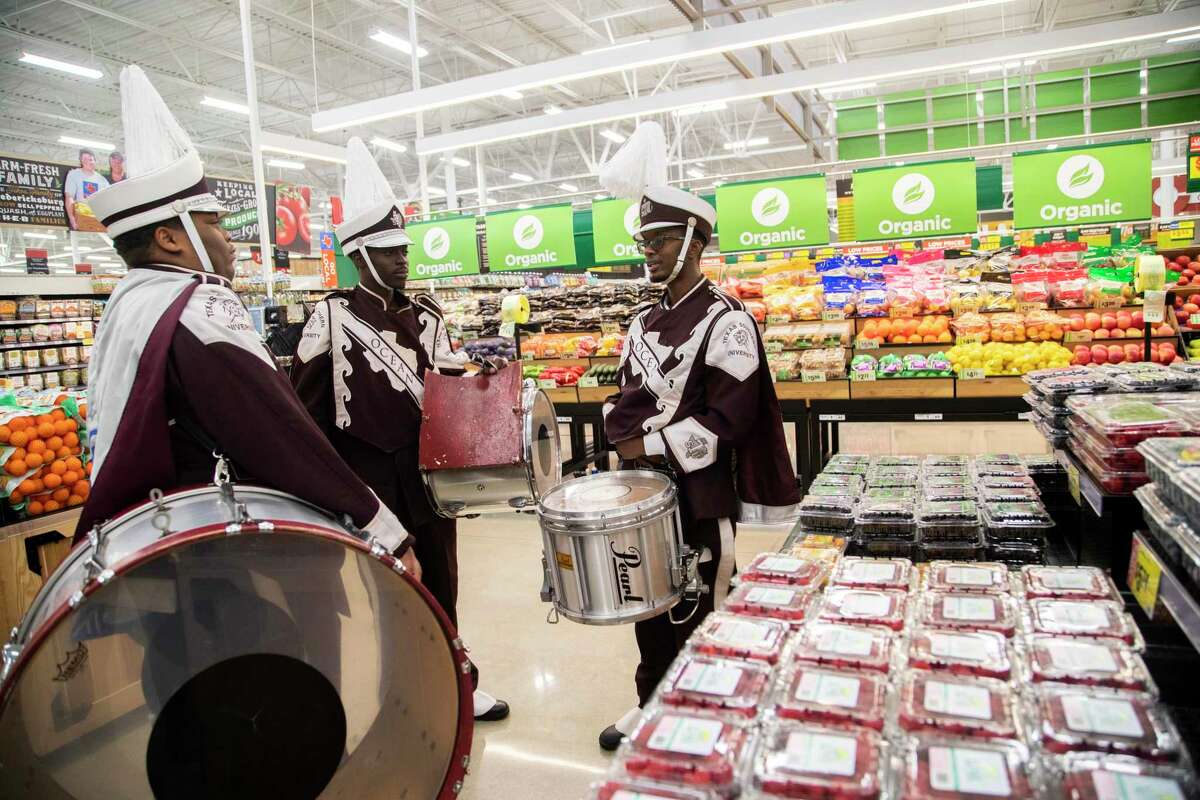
(770, 207)
(913, 193)
(436, 242)
(528, 232)
(1080, 176)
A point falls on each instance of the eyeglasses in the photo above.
(656, 244)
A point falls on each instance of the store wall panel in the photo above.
(899, 114)
(1018, 130)
(1019, 101)
(993, 103)
(1176, 78)
(1174, 110)
(1116, 118)
(1068, 123)
(853, 147)
(852, 120)
(993, 132)
(1115, 87)
(896, 144)
(955, 107)
(1059, 94)
(950, 136)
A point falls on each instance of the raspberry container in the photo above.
(884, 607)
(776, 568)
(1097, 720)
(818, 763)
(1082, 618)
(644, 790)
(829, 513)
(852, 483)
(941, 494)
(844, 646)
(1126, 459)
(944, 768)
(733, 636)
(953, 549)
(946, 576)
(886, 518)
(1107, 663)
(1087, 776)
(693, 748)
(1020, 521)
(949, 519)
(969, 612)
(1168, 459)
(817, 694)
(1115, 481)
(980, 708)
(1069, 582)
(787, 603)
(1125, 421)
(715, 684)
(976, 653)
(873, 573)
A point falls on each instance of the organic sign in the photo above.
(787, 212)
(1069, 186)
(443, 248)
(614, 222)
(933, 199)
(531, 238)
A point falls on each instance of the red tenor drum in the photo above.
(233, 642)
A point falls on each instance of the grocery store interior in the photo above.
(600, 399)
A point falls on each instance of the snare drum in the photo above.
(614, 550)
(233, 642)
(488, 443)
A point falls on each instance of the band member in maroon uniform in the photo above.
(360, 370)
(178, 370)
(695, 397)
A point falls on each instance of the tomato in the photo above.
(285, 225)
(304, 220)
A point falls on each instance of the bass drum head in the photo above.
(545, 450)
(285, 664)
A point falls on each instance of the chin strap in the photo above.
(683, 251)
(371, 268)
(189, 227)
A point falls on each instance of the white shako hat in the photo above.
(165, 175)
(373, 215)
(638, 172)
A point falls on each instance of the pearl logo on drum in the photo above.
(71, 664)
(623, 564)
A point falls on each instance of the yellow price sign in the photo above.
(1073, 483)
(1145, 574)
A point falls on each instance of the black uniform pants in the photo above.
(437, 550)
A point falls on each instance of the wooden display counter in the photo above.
(29, 552)
(898, 388)
(1001, 386)
(826, 390)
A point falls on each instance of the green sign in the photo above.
(531, 238)
(784, 212)
(613, 224)
(915, 201)
(443, 248)
(1193, 163)
(1082, 185)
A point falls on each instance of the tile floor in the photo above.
(565, 682)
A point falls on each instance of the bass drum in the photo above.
(233, 642)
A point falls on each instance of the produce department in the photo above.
(668, 401)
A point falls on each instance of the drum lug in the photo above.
(76, 599)
(457, 787)
(8, 656)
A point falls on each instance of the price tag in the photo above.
(969, 338)
(773, 347)
(778, 319)
(1193, 321)
(859, 377)
(831, 417)
(527, 356)
(1071, 337)
(1025, 306)
(610, 328)
(1145, 574)
(833, 315)
(1154, 306)
(508, 329)
(1073, 483)
(590, 382)
(812, 376)
(1110, 301)
(972, 374)
(547, 383)
(1025, 415)
(927, 417)
(866, 344)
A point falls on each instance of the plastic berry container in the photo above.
(825, 490)
(1022, 520)
(1083, 618)
(1107, 663)
(943, 481)
(885, 607)
(846, 468)
(693, 748)
(1167, 459)
(955, 471)
(1100, 721)
(849, 458)
(974, 653)
(942, 494)
(1017, 553)
(981, 708)
(814, 762)
(1178, 539)
(1016, 494)
(852, 483)
(880, 481)
(896, 461)
(817, 694)
(887, 518)
(969, 612)
(1124, 422)
(786, 603)
(891, 492)
(1116, 458)
(1116, 481)
(1087, 776)
(1005, 482)
(1188, 485)
(1057, 389)
(943, 768)
(828, 513)
(948, 576)
(1071, 582)
(906, 470)
(987, 469)
(996, 459)
(844, 646)
(888, 547)
(946, 461)
(715, 684)
(776, 568)
(644, 790)
(733, 636)
(953, 549)
(873, 573)
(1162, 380)
(948, 519)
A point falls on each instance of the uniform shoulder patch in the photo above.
(733, 345)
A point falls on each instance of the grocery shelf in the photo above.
(1174, 593)
(37, 345)
(1095, 494)
(45, 321)
(822, 390)
(34, 370)
(996, 386)
(902, 388)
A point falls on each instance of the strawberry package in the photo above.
(883, 607)
(775, 568)
(716, 684)
(1079, 719)
(979, 653)
(645, 790)
(818, 694)
(1125, 421)
(1089, 662)
(787, 603)
(844, 646)
(950, 576)
(943, 768)
(1087, 776)
(873, 573)
(692, 748)
(1070, 582)
(970, 612)
(733, 636)
(1082, 618)
(980, 708)
(818, 763)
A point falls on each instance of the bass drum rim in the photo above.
(461, 752)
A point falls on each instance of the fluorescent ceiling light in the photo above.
(301, 148)
(521, 176)
(511, 94)
(75, 140)
(388, 144)
(695, 173)
(283, 163)
(568, 187)
(1191, 37)
(716, 105)
(550, 109)
(61, 66)
(617, 45)
(225, 105)
(459, 161)
(756, 141)
(612, 136)
(397, 42)
(32, 235)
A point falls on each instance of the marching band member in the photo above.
(178, 371)
(695, 397)
(360, 371)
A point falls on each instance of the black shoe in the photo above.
(497, 712)
(611, 738)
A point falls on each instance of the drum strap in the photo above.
(201, 437)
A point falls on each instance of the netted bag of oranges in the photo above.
(42, 454)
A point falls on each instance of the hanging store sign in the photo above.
(238, 196)
(31, 192)
(1193, 163)
(787, 212)
(614, 222)
(329, 277)
(291, 203)
(531, 238)
(916, 201)
(443, 248)
(1069, 186)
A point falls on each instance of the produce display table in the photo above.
(29, 552)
